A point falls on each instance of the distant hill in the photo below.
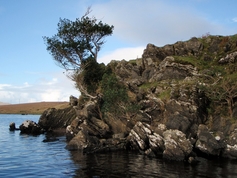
(1, 103)
(31, 108)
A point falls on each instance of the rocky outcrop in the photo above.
(154, 55)
(30, 127)
(171, 144)
(52, 118)
(176, 145)
(209, 143)
(90, 133)
(170, 69)
(229, 58)
(175, 115)
(92, 144)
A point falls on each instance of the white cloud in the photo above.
(53, 81)
(3, 86)
(157, 22)
(234, 19)
(57, 88)
(51, 95)
(26, 84)
(122, 53)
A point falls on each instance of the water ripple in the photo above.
(29, 157)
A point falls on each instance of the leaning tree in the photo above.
(78, 42)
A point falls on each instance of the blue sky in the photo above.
(29, 74)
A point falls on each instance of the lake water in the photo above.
(28, 156)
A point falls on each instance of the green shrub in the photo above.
(115, 96)
(92, 75)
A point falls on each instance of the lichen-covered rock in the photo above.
(230, 150)
(169, 69)
(153, 54)
(83, 141)
(92, 144)
(229, 58)
(180, 115)
(172, 144)
(73, 128)
(156, 144)
(143, 139)
(208, 143)
(118, 126)
(30, 127)
(95, 127)
(139, 136)
(125, 71)
(177, 147)
(89, 109)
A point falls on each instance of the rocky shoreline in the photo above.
(171, 144)
(175, 108)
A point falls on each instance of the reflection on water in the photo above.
(25, 156)
(33, 156)
(125, 164)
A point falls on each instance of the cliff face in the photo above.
(176, 99)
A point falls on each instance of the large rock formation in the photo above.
(175, 106)
(52, 119)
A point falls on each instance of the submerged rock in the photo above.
(12, 126)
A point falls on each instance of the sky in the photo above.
(28, 72)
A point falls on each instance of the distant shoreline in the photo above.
(31, 108)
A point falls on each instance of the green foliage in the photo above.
(165, 94)
(149, 85)
(233, 37)
(114, 95)
(134, 61)
(222, 94)
(92, 75)
(133, 108)
(187, 60)
(77, 41)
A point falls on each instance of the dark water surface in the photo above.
(28, 156)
